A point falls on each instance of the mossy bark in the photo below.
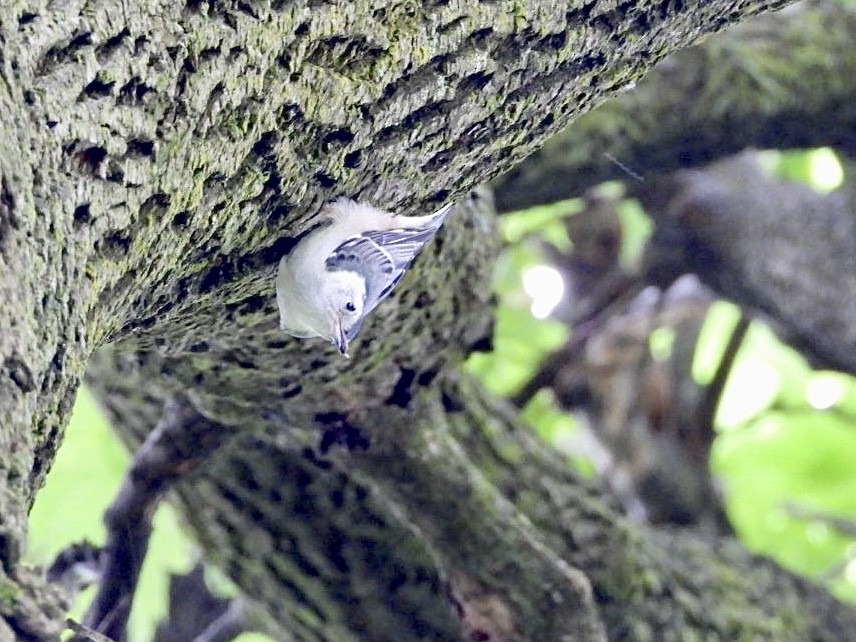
(156, 161)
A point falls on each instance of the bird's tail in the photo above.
(439, 217)
(430, 223)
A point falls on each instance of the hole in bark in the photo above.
(437, 161)
(209, 53)
(397, 581)
(155, 205)
(423, 113)
(279, 213)
(440, 196)
(592, 62)
(255, 515)
(99, 87)
(7, 202)
(481, 35)
(273, 183)
(82, 214)
(111, 44)
(291, 390)
(482, 344)
(353, 159)
(141, 147)
(244, 364)
(58, 361)
(338, 432)
(315, 460)
(133, 91)
(26, 18)
(335, 552)
(92, 157)
(265, 144)
(474, 82)
(325, 180)
(180, 220)
(554, 41)
(187, 69)
(338, 136)
(81, 40)
(451, 404)
(548, 120)
(424, 299)
(427, 377)
(115, 246)
(248, 305)
(386, 134)
(401, 394)
(214, 277)
(479, 635)
(115, 173)
(20, 374)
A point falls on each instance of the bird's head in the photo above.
(343, 296)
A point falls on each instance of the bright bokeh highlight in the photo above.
(545, 287)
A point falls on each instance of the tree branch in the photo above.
(180, 442)
(773, 246)
(785, 80)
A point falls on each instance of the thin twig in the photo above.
(181, 441)
(85, 632)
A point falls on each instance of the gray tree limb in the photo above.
(792, 258)
(383, 543)
(785, 80)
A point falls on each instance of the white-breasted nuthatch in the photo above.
(338, 273)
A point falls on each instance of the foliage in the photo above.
(786, 453)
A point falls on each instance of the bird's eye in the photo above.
(350, 307)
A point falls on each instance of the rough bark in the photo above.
(381, 543)
(157, 160)
(787, 79)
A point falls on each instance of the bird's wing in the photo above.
(401, 244)
(364, 256)
(380, 257)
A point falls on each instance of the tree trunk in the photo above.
(156, 162)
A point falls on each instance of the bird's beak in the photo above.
(341, 339)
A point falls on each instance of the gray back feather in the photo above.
(381, 257)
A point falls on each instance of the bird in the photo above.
(341, 270)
